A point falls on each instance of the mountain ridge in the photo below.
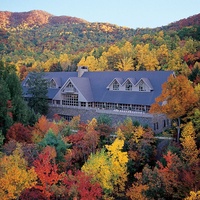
(33, 18)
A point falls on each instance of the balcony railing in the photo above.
(105, 111)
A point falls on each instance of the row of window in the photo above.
(72, 100)
(129, 86)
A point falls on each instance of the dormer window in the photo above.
(52, 84)
(28, 83)
(128, 86)
(142, 86)
(115, 85)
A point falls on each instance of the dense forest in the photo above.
(58, 159)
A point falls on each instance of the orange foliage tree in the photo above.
(177, 98)
(42, 127)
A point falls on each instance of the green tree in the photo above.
(19, 108)
(5, 115)
(56, 141)
(38, 91)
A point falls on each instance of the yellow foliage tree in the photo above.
(112, 56)
(14, 175)
(90, 61)
(130, 132)
(147, 59)
(126, 58)
(193, 196)
(109, 168)
(102, 63)
(64, 61)
(119, 162)
(190, 152)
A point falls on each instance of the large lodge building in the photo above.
(118, 94)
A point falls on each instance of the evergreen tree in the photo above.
(38, 91)
(5, 117)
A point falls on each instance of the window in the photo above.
(67, 117)
(115, 85)
(83, 104)
(142, 86)
(70, 85)
(70, 100)
(155, 126)
(58, 102)
(164, 123)
(52, 84)
(128, 86)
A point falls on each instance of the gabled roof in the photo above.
(146, 81)
(132, 80)
(119, 80)
(100, 80)
(58, 81)
(83, 86)
(93, 85)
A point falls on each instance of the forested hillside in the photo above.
(58, 159)
(37, 40)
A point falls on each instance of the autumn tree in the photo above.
(189, 152)
(42, 126)
(109, 168)
(146, 59)
(47, 171)
(90, 61)
(126, 58)
(84, 142)
(139, 143)
(20, 133)
(164, 180)
(81, 186)
(193, 195)
(177, 98)
(136, 191)
(112, 57)
(55, 141)
(14, 175)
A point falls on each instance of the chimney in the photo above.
(81, 70)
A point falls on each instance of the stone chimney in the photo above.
(82, 70)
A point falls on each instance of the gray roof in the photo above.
(93, 85)
(100, 80)
(84, 86)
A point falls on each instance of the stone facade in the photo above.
(157, 122)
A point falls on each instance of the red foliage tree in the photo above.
(32, 194)
(19, 133)
(46, 170)
(81, 186)
(83, 144)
